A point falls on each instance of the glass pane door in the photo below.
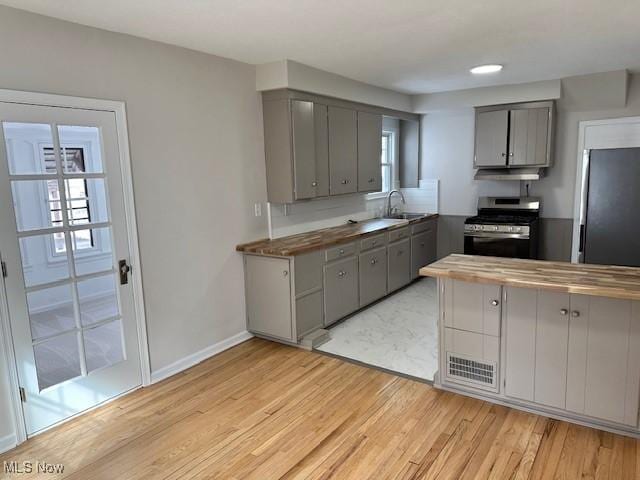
(79, 318)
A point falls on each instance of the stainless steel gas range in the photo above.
(504, 227)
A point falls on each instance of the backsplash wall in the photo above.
(330, 212)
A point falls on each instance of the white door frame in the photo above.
(598, 134)
(118, 108)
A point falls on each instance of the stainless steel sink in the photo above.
(405, 216)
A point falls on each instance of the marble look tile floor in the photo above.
(398, 333)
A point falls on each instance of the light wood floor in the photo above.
(265, 411)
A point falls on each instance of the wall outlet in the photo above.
(257, 208)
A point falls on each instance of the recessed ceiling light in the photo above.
(480, 69)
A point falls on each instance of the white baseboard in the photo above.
(195, 358)
(8, 442)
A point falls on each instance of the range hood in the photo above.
(530, 173)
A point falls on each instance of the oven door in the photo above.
(498, 245)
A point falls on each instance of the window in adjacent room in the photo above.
(78, 210)
(386, 161)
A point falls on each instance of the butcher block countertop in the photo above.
(599, 280)
(320, 239)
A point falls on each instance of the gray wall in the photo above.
(198, 166)
(447, 154)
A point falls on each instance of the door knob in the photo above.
(374, 261)
(314, 184)
(285, 273)
(495, 303)
(341, 273)
(564, 311)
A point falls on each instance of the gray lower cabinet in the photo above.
(574, 352)
(343, 151)
(423, 250)
(268, 296)
(340, 289)
(373, 275)
(399, 268)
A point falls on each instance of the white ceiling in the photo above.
(415, 46)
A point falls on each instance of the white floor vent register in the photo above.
(467, 370)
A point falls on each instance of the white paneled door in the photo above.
(65, 247)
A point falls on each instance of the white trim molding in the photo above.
(195, 358)
(598, 134)
(118, 108)
(8, 442)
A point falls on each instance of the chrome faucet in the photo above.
(389, 195)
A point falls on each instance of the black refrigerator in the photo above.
(610, 219)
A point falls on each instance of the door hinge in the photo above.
(23, 394)
(4, 269)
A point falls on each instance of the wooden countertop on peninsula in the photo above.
(326, 237)
(600, 280)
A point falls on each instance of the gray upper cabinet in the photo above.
(491, 138)
(343, 150)
(528, 136)
(514, 136)
(369, 151)
(296, 150)
(304, 149)
(322, 149)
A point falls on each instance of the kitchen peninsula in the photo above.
(558, 339)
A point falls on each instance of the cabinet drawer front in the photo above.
(399, 268)
(372, 242)
(423, 226)
(309, 313)
(398, 234)
(340, 289)
(373, 275)
(340, 251)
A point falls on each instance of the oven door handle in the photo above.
(496, 235)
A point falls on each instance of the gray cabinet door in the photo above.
(399, 269)
(472, 307)
(520, 351)
(373, 275)
(491, 138)
(304, 149)
(268, 291)
(343, 151)
(552, 339)
(423, 249)
(528, 135)
(604, 358)
(340, 289)
(322, 149)
(309, 313)
(369, 152)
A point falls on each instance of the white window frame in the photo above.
(392, 144)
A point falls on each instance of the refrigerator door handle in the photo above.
(581, 246)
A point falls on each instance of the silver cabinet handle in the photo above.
(422, 244)
(341, 251)
(285, 273)
(371, 180)
(374, 261)
(344, 182)
(564, 311)
(575, 313)
(495, 303)
(511, 154)
(373, 243)
(314, 184)
(400, 252)
(341, 273)
(504, 154)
